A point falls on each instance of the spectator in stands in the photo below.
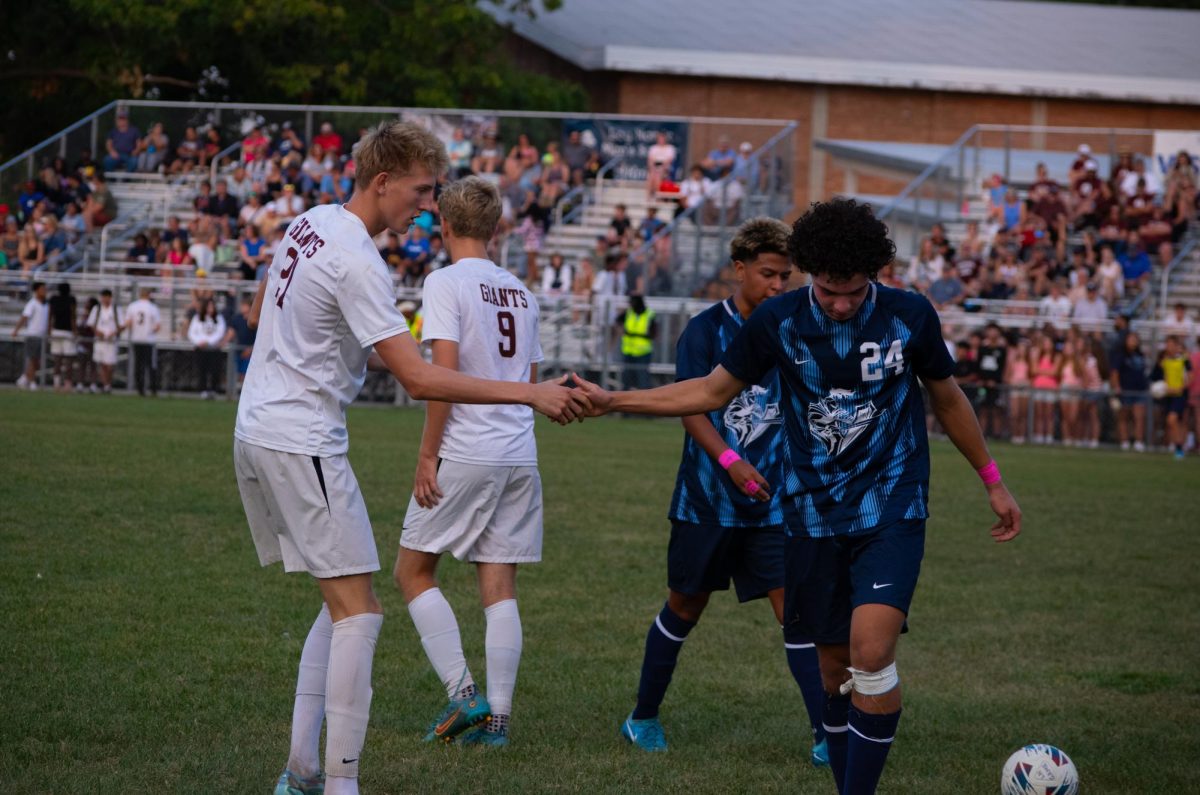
(224, 209)
(490, 158)
(287, 206)
(211, 146)
(946, 292)
(289, 146)
(63, 314)
(554, 179)
(1055, 306)
(746, 166)
(30, 251)
(719, 161)
(392, 253)
(54, 242)
(206, 331)
(253, 213)
(926, 266)
(1141, 181)
(524, 153)
(1178, 323)
(1111, 276)
(1123, 166)
(1156, 231)
(439, 257)
(255, 146)
(152, 150)
(995, 192)
(141, 250)
(415, 250)
(459, 150)
(1045, 363)
(620, 226)
(582, 287)
(10, 242)
(1135, 264)
(35, 321)
(1112, 229)
(1129, 384)
(329, 141)
(101, 206)
(177, 257)
(253, 261)
(1174, 369)
(1078, 168)
(1092, 308)
(314, 167)
(188, 153)
(121, 144)
(693, 190)
(591, 169)
(660, 163)
(1179, 197)
(723, 204)
(240, 184)
(202, 251)
(557, 276)
(1012, 212)
(650, 225)
(575, 154)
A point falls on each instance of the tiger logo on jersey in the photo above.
(838, 421)
(749, 416)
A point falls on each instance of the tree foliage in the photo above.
(66, 58)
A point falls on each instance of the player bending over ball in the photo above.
(852, 356)
(727, 510)
(477, 493)
(328, 300)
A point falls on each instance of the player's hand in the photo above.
(425, 485)
(1008, 525)
(559, 402)
(748, 481)
(600, 400)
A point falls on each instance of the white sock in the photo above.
(339, 785)
(348, 694)
(435, 622)
(309, 710)
(503, 647)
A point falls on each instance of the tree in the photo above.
(73, 56)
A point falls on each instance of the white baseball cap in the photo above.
(1084, 149)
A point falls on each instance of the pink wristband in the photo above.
(989, 474)
(728, 458)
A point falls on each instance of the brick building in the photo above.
(914, 71)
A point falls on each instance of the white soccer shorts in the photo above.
(488, 514)
(104, 352)
(305, 511)
(62, 343)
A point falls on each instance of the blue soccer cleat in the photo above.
(482, 737)
(458, 716)
(820, 754)
(291, 784)
(645, 734)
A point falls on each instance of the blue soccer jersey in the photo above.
(858, 456)
(751, 424)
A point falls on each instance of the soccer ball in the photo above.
(1039, 770)
(1158, 390)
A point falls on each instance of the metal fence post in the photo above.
(962, 179)
(1007, 155)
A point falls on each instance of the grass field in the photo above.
(145, 651)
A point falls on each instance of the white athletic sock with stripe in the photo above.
(309, 711)
(502, 644)
(435, 622)
(348, 697)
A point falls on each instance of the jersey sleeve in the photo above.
(439, 307)
(694, 351)
(27, 312)
(368, 302)
(751, 353)
(930, 358)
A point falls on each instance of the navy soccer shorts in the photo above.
(828, 577)
(703, 558)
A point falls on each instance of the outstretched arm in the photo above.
(956, 416)
(693, 396)
(425, 381)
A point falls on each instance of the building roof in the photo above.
(987, 46)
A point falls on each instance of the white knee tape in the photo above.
(871, 684)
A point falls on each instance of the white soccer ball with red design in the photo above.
(1039, 770)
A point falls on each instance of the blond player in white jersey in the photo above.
(477, 493)
(328, 300)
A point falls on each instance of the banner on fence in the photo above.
(1168, 144)
(631, 141)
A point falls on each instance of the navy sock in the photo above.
(663, 642)
(835, 719)
(870, 739)
(806, 670)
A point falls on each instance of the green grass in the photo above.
(145, 651)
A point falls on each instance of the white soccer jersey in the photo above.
(329, 299)
(494, 320)
(104, 321)
(146, 319)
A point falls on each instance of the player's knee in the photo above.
(689, 607)
(869, 656)
(872, 682)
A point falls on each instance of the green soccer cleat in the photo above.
(645, 734)
(820, 754)
(485, 738)
(291, 784)
(458, 716)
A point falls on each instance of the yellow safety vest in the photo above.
(417, 326)
(636, 341)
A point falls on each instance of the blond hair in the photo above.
(397, 147)
(759, 236)
(472, 207)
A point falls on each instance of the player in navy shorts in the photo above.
(852, 356)
(726, 520)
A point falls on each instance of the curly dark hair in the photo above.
(840, 239)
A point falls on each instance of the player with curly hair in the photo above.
(852, 356)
